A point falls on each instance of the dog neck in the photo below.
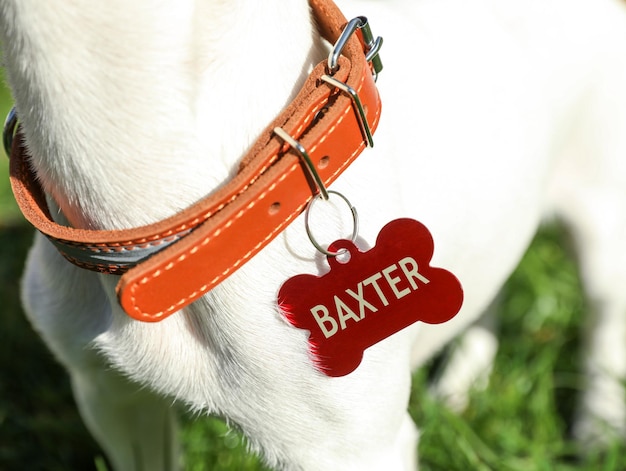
(140, 110)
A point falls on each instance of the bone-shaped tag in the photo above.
(371, 296)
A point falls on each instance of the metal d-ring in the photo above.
(355, 221)
(372, 45)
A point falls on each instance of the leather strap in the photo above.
(169, 264)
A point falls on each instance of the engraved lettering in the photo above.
(412, 273)
(373, 280)
(344, 312)
(362, 302)
(322, 316)
(394, 281)
(401, 277)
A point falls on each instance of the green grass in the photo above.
(521, 422)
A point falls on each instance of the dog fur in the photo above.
(495, 115)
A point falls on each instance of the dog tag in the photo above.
(369, 296)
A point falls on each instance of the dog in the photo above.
(494, 115)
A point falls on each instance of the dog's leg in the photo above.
(602, 240)
(136, 428)
(470, 362)
(68, 307)
(592, 199)
(602, 414)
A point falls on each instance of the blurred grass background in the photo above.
(521, 422)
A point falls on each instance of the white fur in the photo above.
(496, 113)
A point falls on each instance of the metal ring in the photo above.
(355, 220)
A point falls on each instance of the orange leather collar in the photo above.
(186, 255)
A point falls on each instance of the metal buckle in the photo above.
(8, 133)
(372, 46)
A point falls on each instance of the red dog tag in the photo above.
(371, 296)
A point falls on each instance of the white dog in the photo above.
(495, 113)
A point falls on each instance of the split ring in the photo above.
(355, 222)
